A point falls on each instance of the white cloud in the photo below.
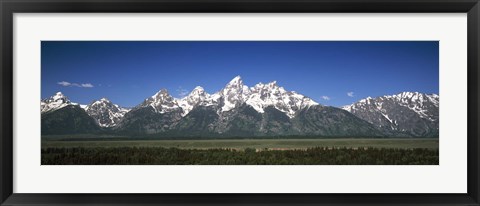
(182, 92)
(350, 94)
(69, 84)
(64, 83)
(87, 85)
(325, 98)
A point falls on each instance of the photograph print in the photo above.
(239, 103)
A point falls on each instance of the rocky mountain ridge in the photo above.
(408, 113)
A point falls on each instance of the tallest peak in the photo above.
(198, 88)
(236, 80)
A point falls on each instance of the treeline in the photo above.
(249, 156)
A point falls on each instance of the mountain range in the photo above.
(404, 114)
(241, 111)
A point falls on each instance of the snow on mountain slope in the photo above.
(105, 113)
(410, 112)
(54, 102)
(420, 103)
(235, 93)
(198, 97)
(289, 102)
(161, 102)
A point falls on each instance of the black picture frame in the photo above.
(9, 7)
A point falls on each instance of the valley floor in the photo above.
(58, 151)
(259, 144)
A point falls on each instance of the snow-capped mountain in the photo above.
(412, 113)
(288, 102)
(262, 96)
(54, 102)
(221, 112)
(161, 102)
(105, 113)
(234, 94)
(198, 97)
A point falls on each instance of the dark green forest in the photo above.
(248, 156)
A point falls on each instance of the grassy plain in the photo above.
(274, 144)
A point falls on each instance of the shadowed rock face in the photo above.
(145, 120)
(199, 121)
(331, 121)
(405, 114)
(70, 119)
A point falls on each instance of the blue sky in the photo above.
(332, 73)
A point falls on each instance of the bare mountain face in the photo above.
(105, 113)
(404, 114)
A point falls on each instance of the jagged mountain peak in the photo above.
(105, 113)
(237, 80)
(161, 93)
(59, 96)
(57, 101)
(410, 95)
(235, 84)
(161, 102)
(268, 87)
(272, 84)
(198, 90)
(161, 96)
(271, 94)
(196, 97)
(234, 94)
(102, 101)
